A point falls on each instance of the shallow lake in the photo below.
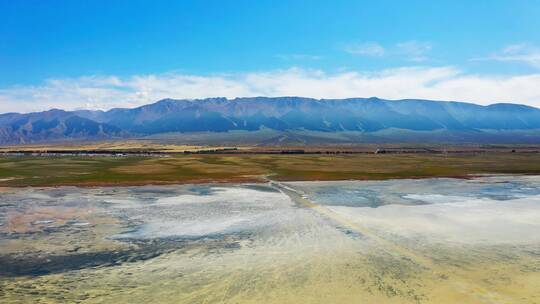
(395, 241)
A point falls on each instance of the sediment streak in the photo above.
(460, 283)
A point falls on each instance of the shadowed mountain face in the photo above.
(286, 114)
(52, 125)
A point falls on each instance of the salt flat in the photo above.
(396, 241)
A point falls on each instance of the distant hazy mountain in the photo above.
(52, 125)
(455, 121)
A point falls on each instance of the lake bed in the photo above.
(396, 241)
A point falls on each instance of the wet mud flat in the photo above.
(397, 241)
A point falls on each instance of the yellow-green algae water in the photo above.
(398, 241)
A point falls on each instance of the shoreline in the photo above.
(250, 181)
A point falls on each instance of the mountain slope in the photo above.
(363, 115)
(52, 125)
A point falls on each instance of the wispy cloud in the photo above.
(414, 50)
(299, 57)
(524, 53)
(104, 92)
(365, 49)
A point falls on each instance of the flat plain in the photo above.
(16, 171)
(252, 227)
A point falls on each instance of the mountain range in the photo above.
(362, 118)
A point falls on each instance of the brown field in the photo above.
(112, 146)
(16, 171)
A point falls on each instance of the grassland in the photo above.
(16, 171)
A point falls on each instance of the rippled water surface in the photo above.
(396, 241)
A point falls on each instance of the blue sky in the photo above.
(101, 54)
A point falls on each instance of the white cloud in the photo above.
(441, 83)
(365, 49)
(519, 53)
(414, 50)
